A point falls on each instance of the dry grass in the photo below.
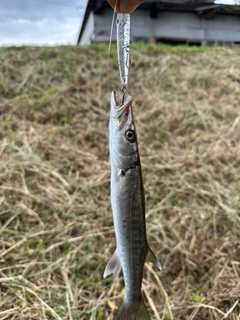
(55, 216)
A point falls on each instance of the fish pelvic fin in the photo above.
(152, 258)
(113, 265)
(134, 311)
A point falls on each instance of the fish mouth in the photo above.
(121, 113)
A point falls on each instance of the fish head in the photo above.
(122, 134)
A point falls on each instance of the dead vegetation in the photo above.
(55, 216)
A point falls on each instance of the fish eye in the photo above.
(130, 135)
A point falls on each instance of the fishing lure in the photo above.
(123, 46)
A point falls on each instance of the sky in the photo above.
(228, 2)
(40, 22)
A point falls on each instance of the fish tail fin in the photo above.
(132, 311)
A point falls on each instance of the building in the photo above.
(196, 22)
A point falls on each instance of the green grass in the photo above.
(56, 232)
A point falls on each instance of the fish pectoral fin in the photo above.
(152, 258)
(113, 265)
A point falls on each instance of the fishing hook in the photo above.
(124, 90)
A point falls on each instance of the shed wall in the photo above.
(186, 26)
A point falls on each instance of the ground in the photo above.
(55, 216)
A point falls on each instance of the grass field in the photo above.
(56, 228)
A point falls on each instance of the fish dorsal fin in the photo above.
(152, 258)
(113, 265)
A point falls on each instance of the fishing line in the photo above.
(111, 32)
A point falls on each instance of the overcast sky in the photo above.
(40, 22)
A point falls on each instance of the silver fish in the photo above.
(128, 206)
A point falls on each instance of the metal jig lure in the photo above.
(123, 48)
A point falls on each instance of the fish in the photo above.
(128, 207)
